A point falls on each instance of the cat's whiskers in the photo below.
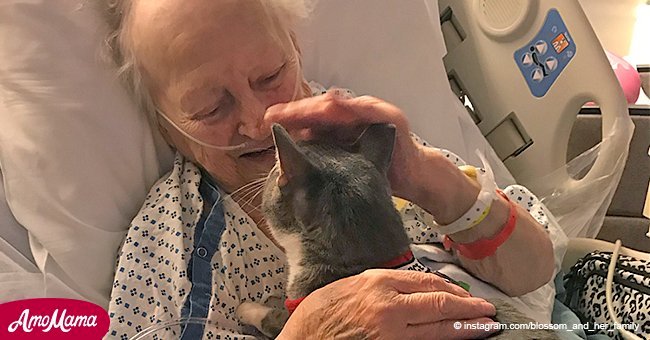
(261, 189)
(245, 201)
(252, 199)
(246, 194)
(252, 187)
(248, 201)
(248, 185)
(240, 198)
(249, 190)
(246, 189)
(258, 209)
(250, 195)
(255, 209)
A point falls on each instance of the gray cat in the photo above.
(330, 207)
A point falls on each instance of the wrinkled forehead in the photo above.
(166, 33)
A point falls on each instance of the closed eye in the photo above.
(216, 112)
(204, 116)
(272, 77)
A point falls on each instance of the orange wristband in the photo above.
(483, 248)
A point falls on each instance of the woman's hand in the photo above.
(390, 304)
(331, 116)
(425, 177)
(418, 174)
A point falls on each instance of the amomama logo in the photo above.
(52, 318)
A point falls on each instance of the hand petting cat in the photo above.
(334, 117)
(425, 177)
(446, 194)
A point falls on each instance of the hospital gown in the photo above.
(182, 257)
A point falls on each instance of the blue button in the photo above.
(202, 252)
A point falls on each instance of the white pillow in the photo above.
(76, 155)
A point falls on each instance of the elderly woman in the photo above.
(214, 75)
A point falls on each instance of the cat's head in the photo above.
(331, 195)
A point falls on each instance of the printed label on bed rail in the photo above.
(52, 318)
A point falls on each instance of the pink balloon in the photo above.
(627, 76)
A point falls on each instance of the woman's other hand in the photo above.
(390, 304)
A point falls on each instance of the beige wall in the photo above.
(613, 21)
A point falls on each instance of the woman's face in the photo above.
(214, 67)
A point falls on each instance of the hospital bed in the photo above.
(77, 158)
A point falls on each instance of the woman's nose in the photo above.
(252, 114)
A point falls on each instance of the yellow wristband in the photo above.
(471, 172)
(482, 216)
(479, 210)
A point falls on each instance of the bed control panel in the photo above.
(528, 66)
(543, 59)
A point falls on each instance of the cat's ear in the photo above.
(293, 162)
(376, 144)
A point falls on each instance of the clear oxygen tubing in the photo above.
(149, 331)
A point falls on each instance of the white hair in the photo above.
(118, 46)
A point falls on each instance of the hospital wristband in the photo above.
(481, 207)
(486, 247)
(472, 172)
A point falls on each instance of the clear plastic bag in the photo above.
(579, 199)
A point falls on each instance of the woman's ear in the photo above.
(163, 128)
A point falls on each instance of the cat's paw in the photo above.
(267, 320)
(274, 321)
(508, 314)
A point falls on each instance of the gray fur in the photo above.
(337, 202)
(507, 314)
(339, 205)
(274, 321)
